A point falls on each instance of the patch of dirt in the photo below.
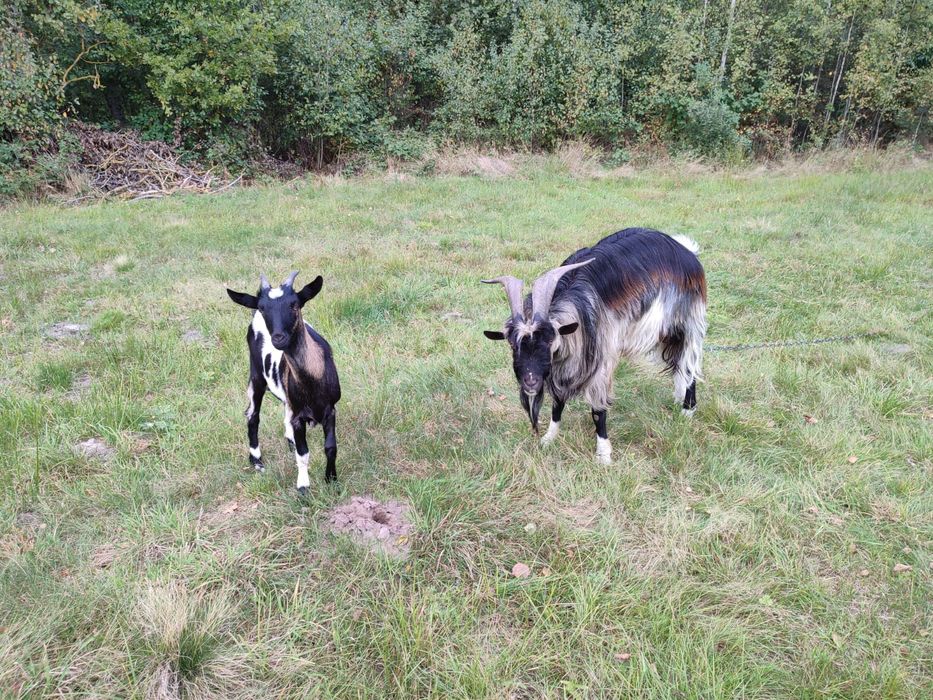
(104, 555)
(380, 526)
(897, 349)
(193, 336)
(61, 330)
(95, 448)
(27, 520)
(79, 387)
(139, 443)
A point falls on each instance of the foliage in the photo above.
(316, 80)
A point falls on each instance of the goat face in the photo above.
(280, 307)
(532, 335)
(533, 346)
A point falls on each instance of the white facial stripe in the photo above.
(275, 293)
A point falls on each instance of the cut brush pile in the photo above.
(123, 165)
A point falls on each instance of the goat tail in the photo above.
(687, 243)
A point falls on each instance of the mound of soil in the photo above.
(95, 448)
(380, 526)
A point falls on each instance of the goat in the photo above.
(636, 293)
(290, 359)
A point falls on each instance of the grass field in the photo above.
(748, 552)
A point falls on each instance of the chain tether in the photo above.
(787, 343)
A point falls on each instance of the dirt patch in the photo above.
(897, 349)
(79, 387)
(29, 521)
(380, 526)
(95, 448)
(104, 555)
(193, 336)
(62, 330)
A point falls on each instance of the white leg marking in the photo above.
(303, 480)
(551, 433)
(289, 430)
(688, 411)
(255, 452)
(603, 450)
(251, 406)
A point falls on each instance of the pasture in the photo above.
(779, 544)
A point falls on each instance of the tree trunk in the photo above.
(728, 40)
(837, 75)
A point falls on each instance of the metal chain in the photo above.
(787, 343)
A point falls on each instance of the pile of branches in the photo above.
(123, 165)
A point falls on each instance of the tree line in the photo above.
(315, 80)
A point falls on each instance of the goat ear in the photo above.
(568, 329)
(247, 300)
(309, 291)
(494, 335)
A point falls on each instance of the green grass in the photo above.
(740, 554)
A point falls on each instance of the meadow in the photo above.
(779, 544)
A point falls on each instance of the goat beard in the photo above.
(532, 407)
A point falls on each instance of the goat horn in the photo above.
(263, 282)
(291, 279)
(513, 290)
(542, 291)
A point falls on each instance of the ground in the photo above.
(757, 550)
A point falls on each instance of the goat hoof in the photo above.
(330, 478)
(688, 412)
(258, 466)
(302, 491)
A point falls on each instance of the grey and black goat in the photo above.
(290, 359)
(636, 293)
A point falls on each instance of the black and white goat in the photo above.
(290, 359)
(636, 293)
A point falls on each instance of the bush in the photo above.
(318, 80)
(29, 89)
(557, 77)
(33, 151)
(346, 78)
(205, 63)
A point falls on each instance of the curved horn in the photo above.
(263, 282)
(542, 291)
(513, 290)
(291, 279)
